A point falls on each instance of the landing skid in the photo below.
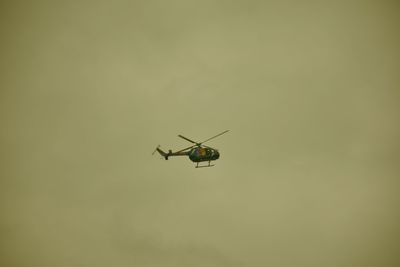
(205, 166)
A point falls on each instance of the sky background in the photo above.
(308, 174)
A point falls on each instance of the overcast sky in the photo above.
(308, 174)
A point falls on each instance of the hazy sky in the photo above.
(308, 174)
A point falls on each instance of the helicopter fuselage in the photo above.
(199, 154)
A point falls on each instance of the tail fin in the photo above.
(162, 153)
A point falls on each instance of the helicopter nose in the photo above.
(216, 154)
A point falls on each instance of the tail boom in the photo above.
(170, 153)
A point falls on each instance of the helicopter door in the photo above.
(202, 152)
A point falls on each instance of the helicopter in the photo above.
(196, 153)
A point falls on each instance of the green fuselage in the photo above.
(199, 154)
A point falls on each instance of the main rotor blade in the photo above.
(187, 139)
(214, 136)
(198, 144)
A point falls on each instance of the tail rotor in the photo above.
(155, 150)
